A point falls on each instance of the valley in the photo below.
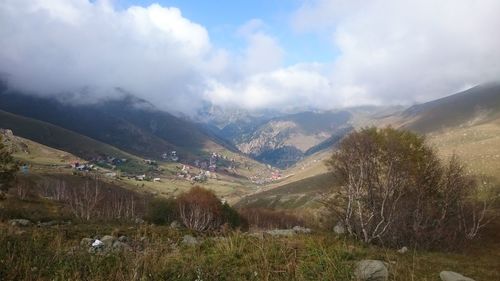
(266, 157)
(278, 166)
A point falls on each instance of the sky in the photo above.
(261, 54)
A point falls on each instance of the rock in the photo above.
(139, 221)
(175, 224)
(300, 229)
(86, 242)
(20, 222)
(371, 270)
(189, 240)
(97, 244)
(108, 240)
(339, 228)
(258, 235)
(453, 276)
(48, 223)
(123, 239)
(120, 246)
(281, 232)
(403, 250)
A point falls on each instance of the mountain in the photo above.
(466, 124)
(285, 140)
(57, 137)
(130, 124)
(477, 105)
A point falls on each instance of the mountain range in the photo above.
(252, 145)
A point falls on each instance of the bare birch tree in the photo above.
(394, 190)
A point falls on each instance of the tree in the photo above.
(84, 200)
(8, 168)
(162, 211)
(394, 190)
(200, 209)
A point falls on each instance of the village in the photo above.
(198, 171)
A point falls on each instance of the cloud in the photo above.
(297, 86)
(389, 52)
(60, 46)
(395, 51)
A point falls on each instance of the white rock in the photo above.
(300, 229)
(453, 276)
(403, 250)
(97, 243)
(371, 270)
(339, 228)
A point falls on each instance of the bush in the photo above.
(394, 190)
(233, 218)
(162, 211)
(269, 218)
(200, 209)
(8, 168)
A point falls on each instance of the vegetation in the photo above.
(200, 210)
(395, 191)
(8, 168)
(269, 218)
(157, 253)
(162, 211)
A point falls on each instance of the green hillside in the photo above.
(477, 105)
(57, 137)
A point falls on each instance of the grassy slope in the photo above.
(477, 105)
(54, 254)
(57, 137)
(298, 194)
(478, 146)
(466, 124)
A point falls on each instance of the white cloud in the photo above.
(296, 86)
(389, 51)
(395, 51)
(58, 46)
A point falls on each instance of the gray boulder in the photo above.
(108, 241)
(120, 246)
(300, 229)
(339, 228)
(20, 222)
(189, 240)
(281, 232)
(371, 270)
(86, 242)
(453, 276)
(403, 250)
(48, 223)
(175, 224)
(123, 239)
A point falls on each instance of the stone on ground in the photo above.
(453, 276)
(371, 270)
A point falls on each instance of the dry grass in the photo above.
(54, 254)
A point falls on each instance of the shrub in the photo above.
(269, 218)
(233, 218)
(162, 211)
(8, 168)
(200, 209)
(394, 190)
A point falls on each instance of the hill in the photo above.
(480, 104)
(466, 124)
(36, 154)
(57, 137)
